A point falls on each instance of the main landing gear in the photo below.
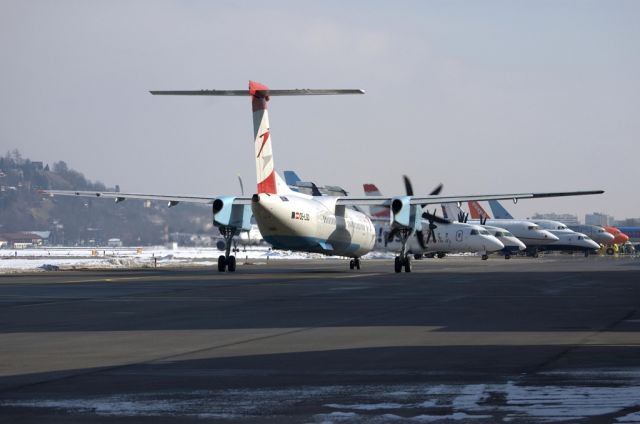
(403, 260)
(354, 263)
(227, 261)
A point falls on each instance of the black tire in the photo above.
(417, 256)
(507, 256)
(610, 251)
(357, 260)
(407, 265)
(586, 253)
(441, 255)
(231, 264)
(536, 255)
(222, 263)
(485, 257)
(352, 264)
(398, 264)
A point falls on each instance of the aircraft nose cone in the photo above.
(492, 244)
(608, 237)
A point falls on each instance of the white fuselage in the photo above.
(511, 242)
(454, 237)
(567, 238)
(295, 221)
(529, 233)
(597, 234)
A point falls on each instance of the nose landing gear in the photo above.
(354, 263)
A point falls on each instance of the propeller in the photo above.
(462, 216)
(409, 187)
(430, 234)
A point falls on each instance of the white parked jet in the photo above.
(532, 235)
(295, 221)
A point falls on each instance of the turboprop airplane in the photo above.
(446, 236)
(296, 221)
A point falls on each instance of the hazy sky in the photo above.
(484, 97)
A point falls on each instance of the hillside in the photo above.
(85, 221)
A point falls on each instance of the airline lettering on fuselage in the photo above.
(300, 216)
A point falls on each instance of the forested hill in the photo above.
(87, 221)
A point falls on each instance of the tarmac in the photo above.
(553, 339)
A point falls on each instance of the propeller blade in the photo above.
(434, 218)
(407, 185)
(436, 190)
(421, 241)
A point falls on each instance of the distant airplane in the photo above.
(527, 232)
(597, 233)
(618, 236)
(569, 240)
(290, 220)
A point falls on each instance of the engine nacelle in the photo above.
(226, 214)
(404, 214)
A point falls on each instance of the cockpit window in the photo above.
(533, 227)
(561, 227)
(508, 234)
(484, 232)
(474, 232)
(499, 234)
(284, 199)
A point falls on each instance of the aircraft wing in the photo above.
(430, 200)
(119, 197)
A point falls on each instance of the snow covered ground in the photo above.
(65, 258)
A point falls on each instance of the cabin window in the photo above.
(284, 199)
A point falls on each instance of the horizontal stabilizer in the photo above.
(270, 92)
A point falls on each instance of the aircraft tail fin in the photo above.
(291, 178)
(498, 210)
(450, 211)
(268, 180)
(376, 211)
(477, 211)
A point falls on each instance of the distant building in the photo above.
(21, 240)
(598, 218)
(114, 242)
(565, 218)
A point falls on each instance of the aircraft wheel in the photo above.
(357, 262)
(417, 256)
(222, 263)
(610, 251)
(407, 265)
(398, 264)
(507, 256)
(352, 264)
(441, 255)
(586, 253)
(231, 264)
(485, 257)
(536, 255)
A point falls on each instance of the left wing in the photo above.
(119, 197)
(430, 200)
